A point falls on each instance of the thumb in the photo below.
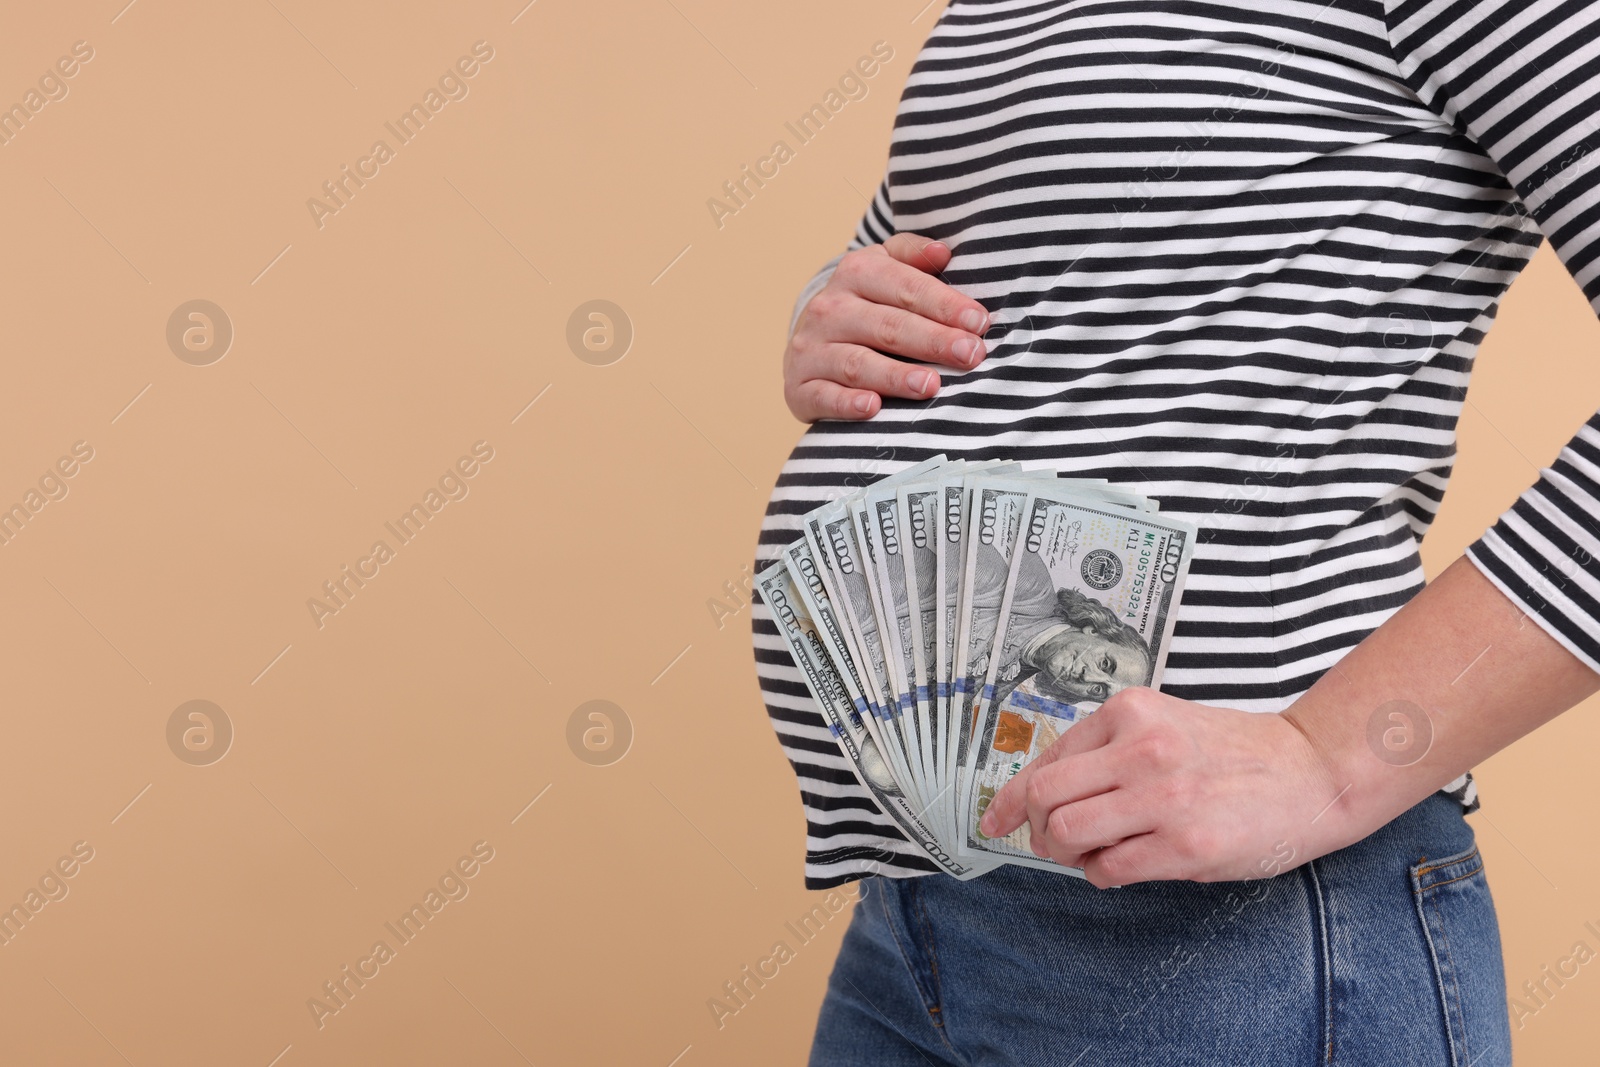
(921, 252)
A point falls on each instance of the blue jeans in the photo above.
(1383, 953)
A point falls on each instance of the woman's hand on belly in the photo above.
(1152, 787)
(880, 299)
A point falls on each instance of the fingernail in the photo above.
(863, 403)
(967, 350)
(986, 824)
(922, 382)
(973, 321)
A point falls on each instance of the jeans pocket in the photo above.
(1458, 919)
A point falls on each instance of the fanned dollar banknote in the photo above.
(951, 621)
(811, 652)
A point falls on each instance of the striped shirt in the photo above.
(1239, 258)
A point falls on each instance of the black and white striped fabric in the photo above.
(1239, 258)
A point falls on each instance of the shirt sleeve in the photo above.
(876, 226)
(1522, 79)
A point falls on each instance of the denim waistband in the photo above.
(1384, 952)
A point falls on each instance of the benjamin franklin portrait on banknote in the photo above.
(1073, 647)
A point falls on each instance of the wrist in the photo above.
(1346, 801)
(1373, 764)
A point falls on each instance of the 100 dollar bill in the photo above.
(1090, 596)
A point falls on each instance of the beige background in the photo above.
(432, 709)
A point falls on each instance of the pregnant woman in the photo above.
(1237, 258)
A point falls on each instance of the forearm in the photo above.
(1459, 662)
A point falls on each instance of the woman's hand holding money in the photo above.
(1153, 787)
